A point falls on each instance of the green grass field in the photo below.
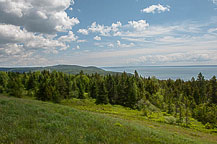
(31, 121)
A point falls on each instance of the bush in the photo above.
(145, 112)
(170, 119)
(208, 126)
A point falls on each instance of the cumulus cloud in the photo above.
(140, 25)
(68, 38)
(156, 8)
(83, 31)
(97, 38)
(44, 16)
(101, 29)
(116, 29)
(14, 35)
(29, 28)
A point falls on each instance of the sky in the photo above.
(108, 32)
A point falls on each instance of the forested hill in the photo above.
(70, 69)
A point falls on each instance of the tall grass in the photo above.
(29, 121)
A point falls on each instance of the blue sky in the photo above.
(108, 33)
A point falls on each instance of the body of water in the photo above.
(166, 72)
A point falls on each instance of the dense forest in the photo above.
(196, 98)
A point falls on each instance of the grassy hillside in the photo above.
(71, 69)
(30, 121)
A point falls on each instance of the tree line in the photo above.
(195, 98)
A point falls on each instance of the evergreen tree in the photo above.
(15, 87)
(81, 91)
(202, 88)
(93, 90)
(133, 94)
(102, 97)
(112, 90)
(213, 90)
(3, 81)
(31, 84)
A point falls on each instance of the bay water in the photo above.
(166, 72)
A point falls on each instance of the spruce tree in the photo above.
(93, 90)
(213, 90)
(102, 97)
(81, 91)
(133, 94)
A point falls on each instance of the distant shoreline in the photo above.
(160, 66)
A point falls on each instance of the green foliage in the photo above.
(170, 120)
(69, 69)
(182, 100)
(213, 90)
(26, 121)
(3, 81)
(102, 97)
(208, 126)
(15, 87)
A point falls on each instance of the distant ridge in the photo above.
(70, 69)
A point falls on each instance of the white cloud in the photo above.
(28, 28)
(119, 44)
(10, 34)
(111, 45)
(44, 16)
(115, 26)
(212, 30)
(140, 25)
(156, 8)
(97, 38)
(68, 38)
(101, 29)
(81, 41)
(12, 49)
(190, 57)
(83, 31)
(134, 39)
(63, 48)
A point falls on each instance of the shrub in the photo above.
(170, 119)
(145, 112)
(208, 126)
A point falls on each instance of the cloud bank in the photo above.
(30, 26)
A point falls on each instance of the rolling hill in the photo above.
(70, 69)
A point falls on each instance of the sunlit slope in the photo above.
(30, 121)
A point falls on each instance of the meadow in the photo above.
(76, 121)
